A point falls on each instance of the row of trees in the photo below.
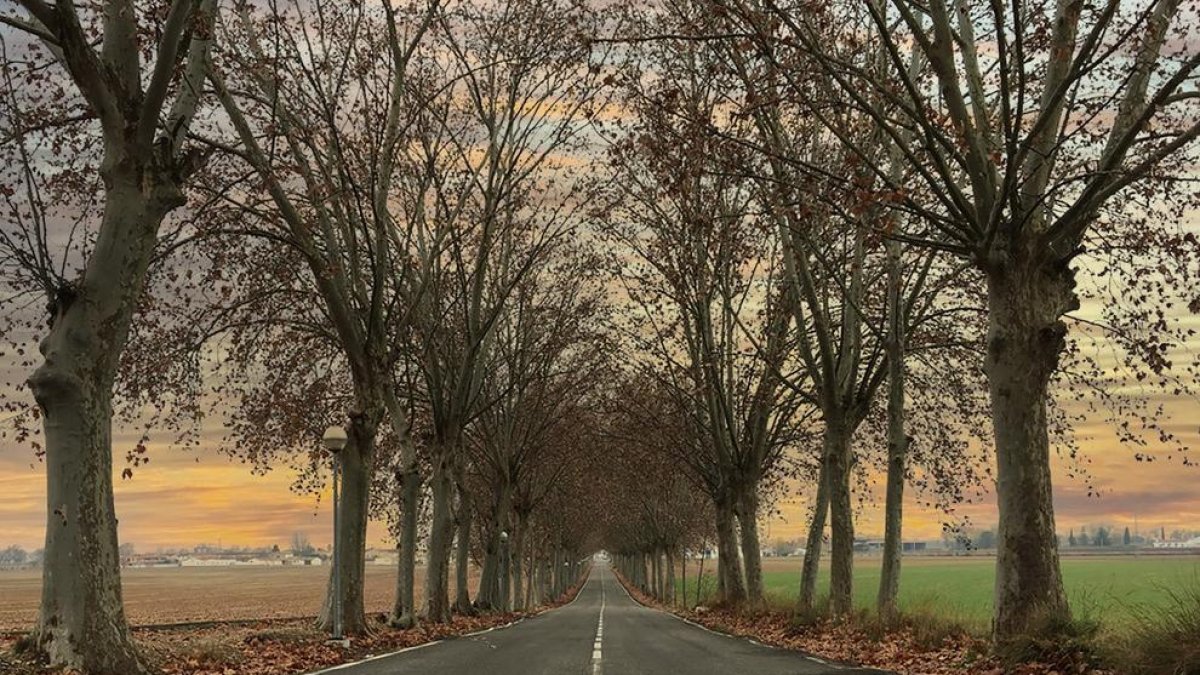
(361, 214)
(15, 556)
(860, 227)
(824, 243)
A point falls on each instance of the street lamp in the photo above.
(504, 572)
(335, 441)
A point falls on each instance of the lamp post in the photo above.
(335, 441)
(504, 572)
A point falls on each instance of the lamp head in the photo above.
(334, 439)
(503, 536)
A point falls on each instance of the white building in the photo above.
(1194, 542)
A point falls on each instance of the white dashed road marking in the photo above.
(596, 648)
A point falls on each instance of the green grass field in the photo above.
(1107, 588)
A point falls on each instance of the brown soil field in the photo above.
(186, 594)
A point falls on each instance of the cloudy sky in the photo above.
(188, 497)
(182, 498)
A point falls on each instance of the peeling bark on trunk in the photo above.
(751, 550)
(812, 551)
(543, 580)
(518, 564)
(720, 574)
(493, 586)
(489, 583)
(82, 620)
(404, 610)
(889, 579)
(357, 460)
(660, 561)
(462, 558)
(441, 535)
(531, 578)
(654, 585)
(1025, 339)
(557, 574)
(841, 518)
(683, 575)
(727, 549)
(82, 623)
(669, 598)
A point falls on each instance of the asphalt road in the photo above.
(602, 631)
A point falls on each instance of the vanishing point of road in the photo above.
(603, 631)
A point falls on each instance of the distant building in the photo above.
(207, 561)
(383, 556)
(1194, 542)
(876, 546)
(867, 545)
(150, 560)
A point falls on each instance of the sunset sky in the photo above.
(183, 498)
(177, 501)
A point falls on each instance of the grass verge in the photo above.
(1161, 639)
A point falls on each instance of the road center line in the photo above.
(596, 647)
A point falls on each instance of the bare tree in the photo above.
(698, 267)
(327, 192)
(544, 366)
(515, 92)
(1017, 153)
(130, 118)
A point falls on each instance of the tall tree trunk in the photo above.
(720, 573)
(492, 585)
(81, 623)
(462, 559)
(556, 575)
(506, 576)
(489, 582)
(518, 564)
(889, 579)
(751, 550)
(700, 579)
(660, 558)
(441, 534)
(533, 592)
(727, 550)
(841, 517)
(81, 577)
(404, 610)
(812, 550)
(669, 597)
(408, 478)
(357, 460)
(683, 575)
(1025, 338)
(544, 568)
(659, 591)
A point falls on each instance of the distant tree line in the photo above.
(15, 556)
